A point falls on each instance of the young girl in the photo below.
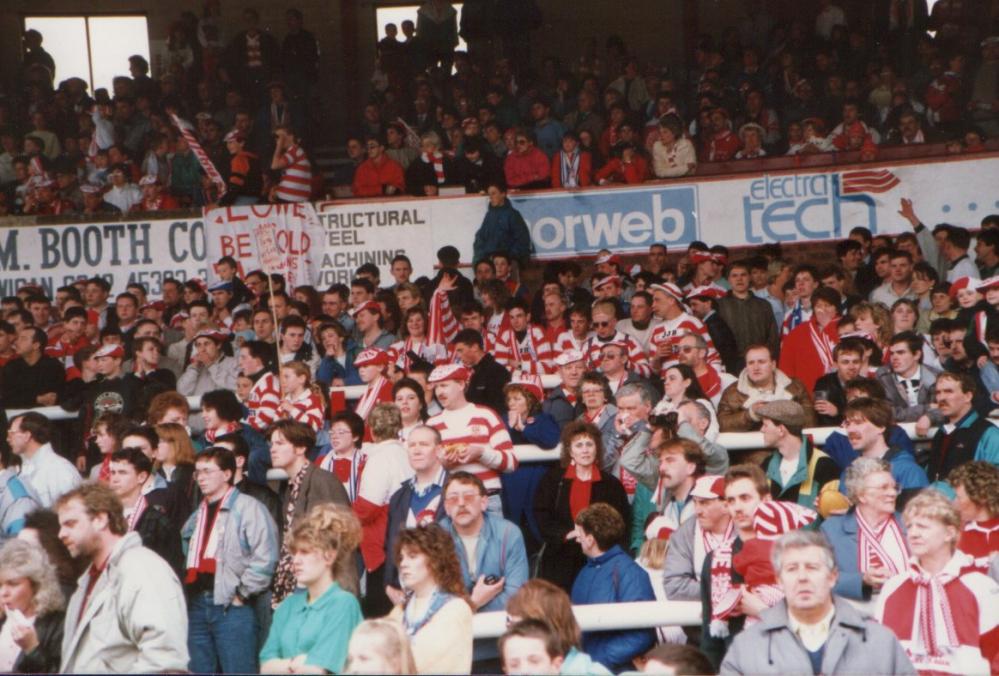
(303, 400)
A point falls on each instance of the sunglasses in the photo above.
(602, 324)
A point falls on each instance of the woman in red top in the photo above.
(806, 352)
(628, 166)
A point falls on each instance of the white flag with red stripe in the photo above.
(199, 152)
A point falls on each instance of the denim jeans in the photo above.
(221, 639)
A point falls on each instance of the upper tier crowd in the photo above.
(409, 502)
(892, 74)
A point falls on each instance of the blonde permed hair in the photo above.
(330, 528)
(20, 558)
(932, 504)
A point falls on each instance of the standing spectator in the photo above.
(245, 179)
(869, 540)
(749, 317)
(231, 545)
(760, 382)
(436, 616)
(811, 630)
(127, 613)
(610, 576)
(33, 610)
(807, 350)
(569, 487)
(49, 475)
(503, 229)
(299, 58)
(673, 155)
(431, 170)
(33, 379)
(251, 57)
(295, 184)
(691, 543)
(797, 470)
(548, 131)
(966, 435)
(489, 378)
(437, 33)
(307, 487)
(312, 627)
(379, 174)
(943, 611)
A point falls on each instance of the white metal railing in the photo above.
(617, 616)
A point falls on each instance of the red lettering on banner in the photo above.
(237, 247)
(233, 217)
(286, 242)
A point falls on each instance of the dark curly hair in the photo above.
(580, 428)
(981, 483)
(442, 559)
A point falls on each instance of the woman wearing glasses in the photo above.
(436, 614)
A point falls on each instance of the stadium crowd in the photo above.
(437, 117)
(279, 526)
(145, 536)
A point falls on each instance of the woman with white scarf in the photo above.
(431, 170)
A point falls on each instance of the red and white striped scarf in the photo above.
(441, 325)
(199, 152)
(228, 428)
(724, 596)
(438, 161)
(140, 507)
(823, 345)
(933, 612)
(881, 548)
(370, 397)
(569, 169)
(201, 553)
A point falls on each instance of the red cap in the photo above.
(608, 258)
(708, 487)
(371, 357)
(529, 382)
(961, 284)
(707, 291)
(111, 350)
(370, 306)
(670, 289)
(604, 281)
(448, 372)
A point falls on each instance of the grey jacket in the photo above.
(644, 466)
(681, 577)
(856, 645)
(900, 403)
(247, 552)
(135, 621)
(220, 375)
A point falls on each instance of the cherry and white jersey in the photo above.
(670, 331)
(948, 622)
(531, 353)
(265, 396)
(296, 181)
(478, 425)
(64, 352)
(980, 540)
(308, 409)
(399, 353)
(567, 341)
(497, 323)
(593, 346)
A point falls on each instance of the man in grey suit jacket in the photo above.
(908, 383)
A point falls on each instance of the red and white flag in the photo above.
(199, 152)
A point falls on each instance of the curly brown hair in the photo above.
(330, 528)
(442, 559)
(980, 480)
(580, 428)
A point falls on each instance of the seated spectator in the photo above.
(976, 496)
(379, 174)
(123, 195)
(965, 436)
(295, 184)
(436, 615)
(527, 167)
(673, 155)
(33, 378)
(939, 587)
(759, 383)
(530, 647)
(477, 167)
(572, 167)
(540, 600)
(548, 131)
(798, 472)
(610, 576)
(564, 491)
(379, 647)
(800, 628)
(431, 170)
(625, 166)
(830, 389)
(722, 144)
(751, 136)
(498, 566)
(35, 617)
(312, 627)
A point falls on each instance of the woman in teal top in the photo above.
(312, 627)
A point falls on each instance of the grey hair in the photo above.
(699, 341)
(800, 539)
(857, 473)
(21, 558)
(635, 388)
(432, 137)
(702, 410)
(434, 431)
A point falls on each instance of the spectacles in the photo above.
(460, 498)
(688, 348)
(602, 324)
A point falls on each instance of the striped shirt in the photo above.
(296, 181)
(532, 354)
(479, 425)
(594, 345)
(265, 396)
(308, 409)
(671, 331)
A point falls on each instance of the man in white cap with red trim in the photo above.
(153, 197)
(605, 331)
(371, 364)
(562, 403)
(94, 203)
(690, 544)
(474, 438)
(667, 304)
(210, 368)
(44, 200)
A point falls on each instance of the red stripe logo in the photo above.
(875, 180)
